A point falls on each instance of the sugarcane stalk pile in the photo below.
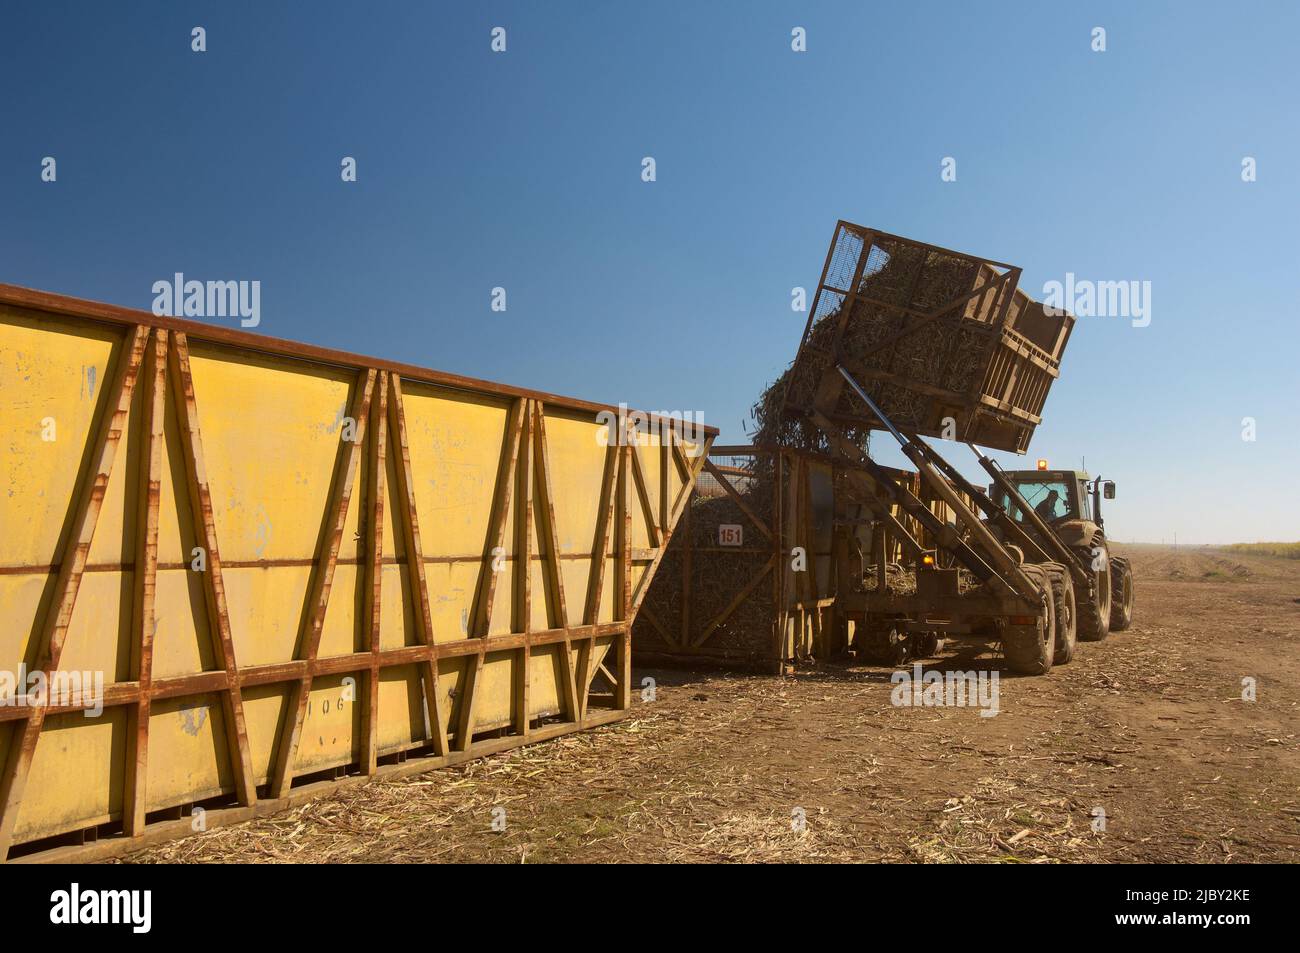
(900, 283)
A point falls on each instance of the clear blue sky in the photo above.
(522, 170)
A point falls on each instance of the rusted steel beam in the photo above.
(665, 503)
(596, 576)
(554, 573)
(522, 608)
(623, 688)
(468, 689)
(76, 547)
(624, 607)
(523, 700)
(496, 536)
(276, 673)
(600, 547)
(643, 495)
(584, 675)
(373, 540)
(415, 563)
(144, 581)
(214, 589)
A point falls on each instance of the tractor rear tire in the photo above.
(1094, 608)
(1067, 623)
(1121, 594)
(1029, 649)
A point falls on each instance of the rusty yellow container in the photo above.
(236, 572)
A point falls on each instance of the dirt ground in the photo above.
(1148, 726)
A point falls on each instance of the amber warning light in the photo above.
(1042, 464)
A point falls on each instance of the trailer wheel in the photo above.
(1066, 620)
(1121, 594)
(1094, 607)
(884, 645)
(1029, 648)
(929, 645)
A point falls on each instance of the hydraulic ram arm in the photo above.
(1015, 533)
(1009, 571)
(909, 504)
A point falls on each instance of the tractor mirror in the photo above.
(1108, 489)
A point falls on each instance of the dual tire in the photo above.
(1065, 604)
(1030, 649)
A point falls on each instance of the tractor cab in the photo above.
(1057, 496)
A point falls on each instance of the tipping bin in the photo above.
(944, 342)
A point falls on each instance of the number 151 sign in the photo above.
(731, 534)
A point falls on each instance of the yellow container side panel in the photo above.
(451, 689)
(274, 429)
(22, 598)
(341, 632)
(331, 730)
(455, 446)
(494, 697)
(264, 709)
(182, 643)
(451, 595)
(577, 459)
(75, 778)
(265, 607)
(402, 720)
(189, 754)
(547, 687)
(98, 636)
(55, 379)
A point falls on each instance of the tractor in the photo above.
(1067, 504)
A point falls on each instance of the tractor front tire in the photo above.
(1121, 594)
(1094, 607)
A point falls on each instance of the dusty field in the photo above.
(1148, 725)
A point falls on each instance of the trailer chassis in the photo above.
(1014, 603)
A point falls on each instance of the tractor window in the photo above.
(1051, 499)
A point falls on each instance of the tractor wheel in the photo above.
(1094, 607)
(1029, 648)
(1067, 630)
(1121, 594)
